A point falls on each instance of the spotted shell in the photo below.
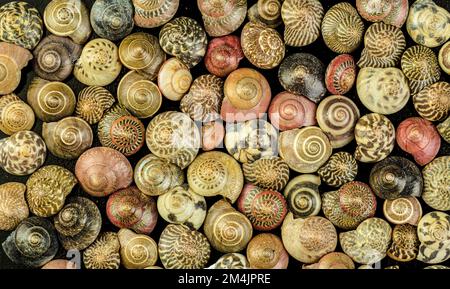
(444, 57)
(369, 243)
(342, 28)
(433, 102)
(264, 208)
(305, 150)
(112, 19)
(20, 24)
(420, 66)
(15, 114)
(333, 260)
(93, 102)
(307, 240)
(444, 129)
(403, 210)
(428, 24)
(180, 205)
(222, 17)
(212, 135)
(174, 79)
(405, 243)
(375, 138)
(434, 236)
(185, 39)
(47, 189)
(137, 251)
(103, 253)
(231, 261)
(154, 176)
(266, 251)
(436, 191)
(302, 195)
(13, 207)
(173, 136)
(340, 74)
(203, 101)
(267, 12)
(390, 12)
(262, 45)
(223, 55)
(150, 14)
(302, 19)
(12, 58)
(216, 173)
(180, 247)
(270, 173)
(340, 168)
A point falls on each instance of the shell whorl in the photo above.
(403, 210)
(340, 74)
(112, 19)
(433, 102)
(137, 251)
(13, 206)
(15, 114)
(436, 191)
(434, 236)
(150, 14)
(405, 243)
(302, 195)
(222, 17)
(174, 79)
(340, 168)
(93, 102)
(103, 253)
(271, 173)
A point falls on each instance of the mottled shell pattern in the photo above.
(434, 236)
(340, 168)
(15, 114)
(444, 57)
(436, 191)
(403, 210)
(112, 19)
(93, 102)
(267, 12)
(13, 58)
(231, 261)
(393, 12)
(137, 251)
(223, 55)
(340, 74)
(302, 195)
(405, 243)
(174, 79)
(103, 253)
(13, 207)
(271, 173)
(433, 102)
(266, 251)
(150, 14)
(222, 17)
(444, 129)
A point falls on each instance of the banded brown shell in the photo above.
(393, 12)
(112, 19)
(104, 253)
(137, 251)
(13, 59)
(403, 210)
(434, 236)
(340, 168)
(271, 173)
(444, 129)
(302, 195)
(405, 243)
(15, 114)
(266, 251)
(436, 191)
(222, 17)
(93, 102)
(340, 74)
(444, 57)
(433, 102)
(223, 55)
(13, 207)
(267, 12)
(150, 14)
(174, 79)
(333, 260)
(231, 261)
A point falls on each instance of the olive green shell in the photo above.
(112, 19)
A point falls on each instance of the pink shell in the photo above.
(393, 12)
(420, 138)
(288, 111)
(340, 74)
(223, 55)
(212, 135)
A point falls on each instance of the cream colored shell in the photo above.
(434, 236)
(104, 253)
(174, 79)
(13, 207)
(15, 114)
(436, 190)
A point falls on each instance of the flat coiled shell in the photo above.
(137, 251)
(340, 74)
(434, 236)
(444, 57)
(433, 102)
(15, 114)
(393, 12)
(222, 17)
(340, 168)
(103, 253)
(405, 243)
(174, 79)
(266, 251)
(154, 13)
(436, 191)
(302, 195)
(231, 261)
(93, 102)
(13, 207)
(112, 19)
(403, 210)
(223, 55)
(270, 173)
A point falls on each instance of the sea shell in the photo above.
(405, 243)
(212, 135)
(137, 251)
(266, 251)
(340, 74)
(102, 171)
(150, 14)
(185, 39)
(60, 264)
(444, 129)
(342, 28)
(13, 207)
(270, 173)
(434, 236)
(420, 138)
(202, 102)
(251, 140)
(333, 260)
(47, 189)
(22, 153)
(216, 173)
(173, 136)
(112, 19)
(51, 100)
(20, 24)
(247, 95)
(227, 230)
(307, 240)
(264, 208)
(444, 57)
(369, 243)
(98, 55)
(302, 19)
(223, 55)
(93, 102)
(288, 111)
(262, 45)
(303, 74)
(103, 253)
(340, 168)
(222, 17)
(420, 66)
(375, 138)
(155, 176)
(174, 79)
(302, 195)
(267, 12)
(403, 210)
(78, 223)
(15, 114)
(12, 58)
(305, 150)
(436, 191)
(428, 24)
(68, 18)
(130, 208)
(180, 205)
(390, 12)
(433, 102)
(231, 261)
(180, 247)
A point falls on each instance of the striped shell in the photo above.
(433, 102)
(434, 236)
(267, 12)
(112, 19)
(103, 253)
(150, 14)
(13, 207)
(393, 12)
(340, 168)
(405, 243)
(223, 55)
(12, 58)
(436, 191)
(266, 251)
(270, 173)
(302, 19)
(444, 57)
(231, 261)
(340, 74)
(302, 195)
(15, 114)
(333, 212)
(174, 79)
(222, 17)
(93, 102)
(444, 129)
(403, 210)
(137, 251)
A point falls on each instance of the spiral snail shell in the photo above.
(112, 19)
(403, 210)
(180, 205)
(104, 253)
(262, 45)
(47, 189)
(12, 59)
(266, 251)
(271, 173)
(436, 191)
(433, 102)
(405, 243)
(265, 209)
(212, 135)
(98, 55)
(340, 168)
(174, 79)
(15, 114)
(390, 12)
(444, 129)
(222, 17)
(33, 243)
(223, 55)
(68, 18)
(150, 14)
(102, 171)
(434, 236)
(20, 24)
(13, 207)
(51, 100)
(340, 74)
(375, 138)
(302, 195)
(54, 57)
(333, 260)
(305, 150)
(78, 223)
(267, 12)
(231, 261)
(137, 251)
(93, 102)
(180, 247)
(444, 57)
(428, 24)
(302, 19)
(22, 153)
(216, 173)
(60, 264)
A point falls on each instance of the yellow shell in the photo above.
(174, 79)
(266, 251)
(137, 251)
(433, 102)
(15, 114)
(12, 59)
(434, 236)
(444, 57)
(103, 253)
(13, 207)
(340, 168)
(93, 102)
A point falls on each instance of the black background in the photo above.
(189, 8)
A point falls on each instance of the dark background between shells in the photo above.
(189, 8)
